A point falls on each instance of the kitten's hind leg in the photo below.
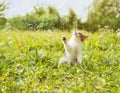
(62, 60)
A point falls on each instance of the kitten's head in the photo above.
(79, 36)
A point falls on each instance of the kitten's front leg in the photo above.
(66, 45)
(79, 58)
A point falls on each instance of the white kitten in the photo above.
(73, 49)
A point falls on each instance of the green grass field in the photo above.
(28, 64)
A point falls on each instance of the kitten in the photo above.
(73, 49)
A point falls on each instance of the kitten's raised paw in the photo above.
(64, 39)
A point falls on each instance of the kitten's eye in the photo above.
(79, 33)
(75, 32)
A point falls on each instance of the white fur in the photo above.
(73, 52)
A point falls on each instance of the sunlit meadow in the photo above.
(28, 63)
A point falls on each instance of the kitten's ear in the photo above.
(74, 32)
(83, 37)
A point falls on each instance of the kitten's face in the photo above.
(79, 36)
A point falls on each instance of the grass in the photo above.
(28, 64)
